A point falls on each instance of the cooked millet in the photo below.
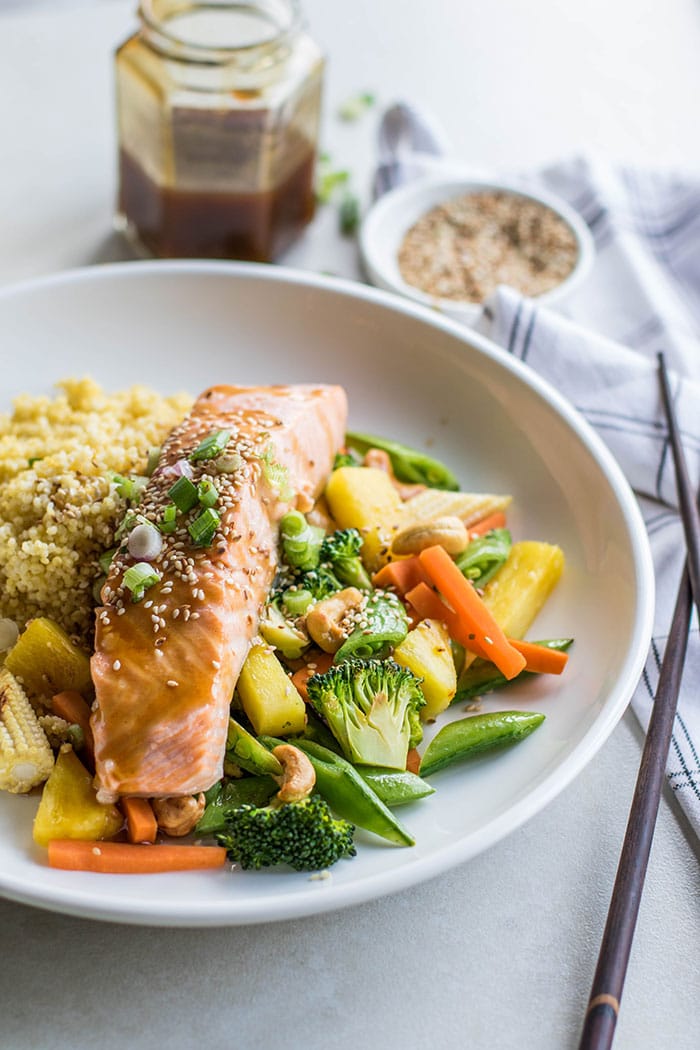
(59, 514)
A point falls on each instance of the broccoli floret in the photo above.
(321, 582)
(370, 706)
(302, 834)
(342, 551)
(345, 459)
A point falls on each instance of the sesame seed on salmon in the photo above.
(165, 667)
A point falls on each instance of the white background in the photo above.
(500, 952)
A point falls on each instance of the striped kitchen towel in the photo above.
(599, 350)
(642, 296)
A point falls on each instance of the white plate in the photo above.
(423, 380)
(389, 219)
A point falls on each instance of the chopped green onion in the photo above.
(276, 475)
(212, 446)
(356, 106)
(153, 457)
(34, 459)
(203, 528)
(329, 182)
(184, 495)
(168, 522)
(297, 602)
(130, 488)
(138, 578)
(105, 560)
(207, 493)
(349, 216)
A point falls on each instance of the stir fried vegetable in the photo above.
(407, 463)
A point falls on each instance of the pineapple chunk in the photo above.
(363, 498)
(521, 587)
(426, 651)
(47, 662)
(69, 808)
(269, 699)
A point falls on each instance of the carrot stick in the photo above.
(71, 706)
(401, 575)
(141, 823)
(471, 610)
(413, 761)
(429, 605)
(539, 658)
(494, 521)
(321, 662)
(124, 858)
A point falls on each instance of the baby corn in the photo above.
(25, 756)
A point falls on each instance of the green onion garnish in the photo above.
(168, 523)
(329, 182)
(207, 493)
(297, 602)
(105, 560)
(153, 457)
(203, 528)
(353, 108)
(184, 494)
(212, 446)
(34, 459)
(349, 215)
(138, 578)
(130, 488)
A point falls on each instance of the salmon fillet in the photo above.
(165, 667)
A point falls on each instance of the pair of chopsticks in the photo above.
(606, 991)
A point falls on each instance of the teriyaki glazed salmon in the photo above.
(175, 627)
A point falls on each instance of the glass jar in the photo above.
(218, 108)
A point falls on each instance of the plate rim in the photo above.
(315, 899)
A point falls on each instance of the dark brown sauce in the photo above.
(176, 223)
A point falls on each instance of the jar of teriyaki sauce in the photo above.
(218, 111)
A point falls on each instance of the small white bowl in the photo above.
(388, 221)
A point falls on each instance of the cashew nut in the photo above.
(298, 775)
(448, 532)
(177, 815)
(380, 460)
(325, 621)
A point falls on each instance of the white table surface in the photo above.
(500, 952)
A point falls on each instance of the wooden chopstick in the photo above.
(686, 498)
(606, 990)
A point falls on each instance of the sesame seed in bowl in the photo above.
(449, 242)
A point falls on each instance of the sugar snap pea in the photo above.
(483, 557)
(347, 793)
(245, 751)
(408, 464)
(471, 736)
(248, 791)
(395, 787)
(384, 626)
